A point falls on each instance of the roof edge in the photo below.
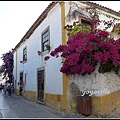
(44, 15)
(35, 24)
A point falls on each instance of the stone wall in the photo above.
(103, 89)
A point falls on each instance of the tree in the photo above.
(8, 65)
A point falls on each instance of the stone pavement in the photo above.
(17, 107)
(110, 114)
(5, 110)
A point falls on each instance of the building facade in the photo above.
(43, 81)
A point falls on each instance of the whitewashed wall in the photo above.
(53, 74)
(53, 78)
(102, 14)
(96, 84)
(103, 17)
(14, 69)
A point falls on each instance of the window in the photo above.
(45, 40)
(21, 76)
(85, 22)
(25, 54)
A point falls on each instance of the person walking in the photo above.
(12, 88)
(9, 89)
(1, 86)
(5, 89)
(21, 87)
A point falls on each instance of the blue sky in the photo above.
(16, 17)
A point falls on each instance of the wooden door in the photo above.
(40, 86)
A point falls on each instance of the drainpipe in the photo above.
(16, 71)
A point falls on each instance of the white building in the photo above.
(43, 80)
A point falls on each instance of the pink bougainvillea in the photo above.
(46, 58)
(84, 50)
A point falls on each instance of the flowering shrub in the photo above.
(84, 50)
(7, 64)
(47, 57)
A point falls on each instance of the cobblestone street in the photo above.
(17, 107)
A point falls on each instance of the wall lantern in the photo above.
(21, 61)
(38, 52)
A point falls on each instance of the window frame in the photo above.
(24, 58)
(86, 20)
(43, 49)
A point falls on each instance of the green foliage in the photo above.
(74, 30)
(76, 27)
(116, 29)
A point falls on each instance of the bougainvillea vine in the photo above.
(7, 64)
(85, 49)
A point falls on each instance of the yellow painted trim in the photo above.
(56, 101)
(29, 95)
(16, 91)
(64, 101)
(107, 102)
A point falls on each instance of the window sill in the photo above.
(24, 61)
(45, 52)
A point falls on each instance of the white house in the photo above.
(43, 81)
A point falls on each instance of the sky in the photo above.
(16, 17)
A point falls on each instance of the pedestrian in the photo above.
(21, 87)
(9, 89)
(12, 88)
(1, 86)
(5, 89)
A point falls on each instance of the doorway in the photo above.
(21, 80)
(21, 76)
(40, 85)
